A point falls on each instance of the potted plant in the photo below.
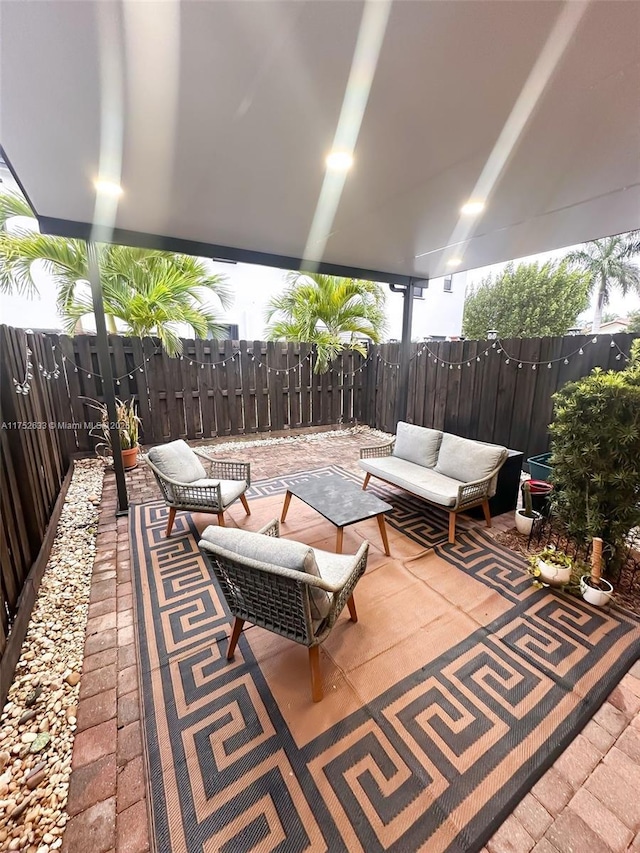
(552, 567)
(594, 588)
(526, 517)
(128, 430)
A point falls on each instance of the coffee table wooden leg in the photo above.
(285, 508)
(383, 533)
(339, 540)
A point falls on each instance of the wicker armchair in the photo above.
(260, 586)
(186, 484)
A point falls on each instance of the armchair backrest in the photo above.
(177, 461)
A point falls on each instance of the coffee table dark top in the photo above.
(340, 501)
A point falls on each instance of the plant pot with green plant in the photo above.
(128, 424)
(526, 517)
(594, 588)
(552, 567)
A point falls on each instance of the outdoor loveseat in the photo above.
(446, 470)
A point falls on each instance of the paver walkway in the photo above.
(588, 802)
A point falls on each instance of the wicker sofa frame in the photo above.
(471, 494)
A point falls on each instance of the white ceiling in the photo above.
(222, 114)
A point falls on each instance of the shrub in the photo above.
(596, 454)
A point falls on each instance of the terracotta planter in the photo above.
(599, 597)
(524, 524)
(553, 574)
(130, 458)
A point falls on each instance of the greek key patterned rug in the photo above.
(458, 686)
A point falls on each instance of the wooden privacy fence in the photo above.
(495, 391)
(217, 388)
(34, 474)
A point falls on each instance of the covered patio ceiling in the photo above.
(216, 118)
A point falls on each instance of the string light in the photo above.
(24, 386)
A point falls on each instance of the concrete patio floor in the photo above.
(588, 800)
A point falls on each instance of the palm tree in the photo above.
(151, 292)
(328, 311)
(607, 264)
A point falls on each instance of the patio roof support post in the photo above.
(104, 362)
(402, 398)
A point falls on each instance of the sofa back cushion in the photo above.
(417, 444)
(276, 552)
(177, 461)
(467, 460)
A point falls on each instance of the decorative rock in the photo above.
(73, 678)
(41, 741)
(29, 737)
(40, 766)
(33, 697)
(28, 715)
(5, 758)
(35, 779)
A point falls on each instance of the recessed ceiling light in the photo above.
(108, 188)
(454, 262)
(339, 161)
(471, 208)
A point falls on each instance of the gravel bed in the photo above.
(295, 439)
(39, 719)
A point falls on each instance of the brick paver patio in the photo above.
(588, 802)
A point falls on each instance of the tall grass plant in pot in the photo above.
(128, 423)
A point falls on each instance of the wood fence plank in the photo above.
(295, 391)
(259, 351)
(140, 390)
(72, 375)
(505, 393)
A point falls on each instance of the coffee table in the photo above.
(341, 502)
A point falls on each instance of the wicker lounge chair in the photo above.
(283, 586)
(186, 485)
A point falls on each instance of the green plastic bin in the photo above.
(539, 467)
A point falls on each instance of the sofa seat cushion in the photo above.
(177, 461)
(276, 552)
(421, 481)
(417, 444)
(467, 460)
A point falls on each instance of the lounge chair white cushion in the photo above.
(230, 489)
(417, 444)
(275, 552)
(177, 461)
(467, 460)
(421, 481)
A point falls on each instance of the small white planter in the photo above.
(553, 574)
(523, 523)
(599, 597)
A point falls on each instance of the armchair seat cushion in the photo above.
(229, 489)
(423, 482)
(334, 568)
(177, 461)
(276, 552)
